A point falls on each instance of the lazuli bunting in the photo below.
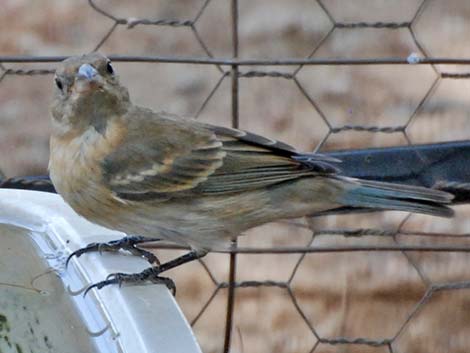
(157, 175)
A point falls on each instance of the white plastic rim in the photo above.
(130, 319)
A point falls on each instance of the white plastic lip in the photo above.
(143, 319)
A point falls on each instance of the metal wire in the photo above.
(230, 67)
(235, 123)
(324, 249)
(247, 62)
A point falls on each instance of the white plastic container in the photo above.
(42, 308)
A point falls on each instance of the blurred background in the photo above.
(367, 295)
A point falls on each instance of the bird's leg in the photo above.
(151, 274)
(127, 243)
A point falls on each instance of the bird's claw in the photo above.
(126, 243)
(79, 252)
(98, 285)
(150, 274)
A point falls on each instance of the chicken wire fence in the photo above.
(234, 69)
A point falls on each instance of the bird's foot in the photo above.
(150, 274)
(126, 243)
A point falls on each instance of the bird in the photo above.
(156, 175)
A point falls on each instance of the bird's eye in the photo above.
(59, 84)
(109, 68)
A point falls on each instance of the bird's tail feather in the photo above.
(388, 196)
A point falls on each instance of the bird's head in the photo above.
(87, 94)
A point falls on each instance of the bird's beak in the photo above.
(87, 71)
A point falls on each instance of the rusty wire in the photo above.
(230, 68)
(249, 62)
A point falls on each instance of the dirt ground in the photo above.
(352, 295)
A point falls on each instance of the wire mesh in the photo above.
(236, 69)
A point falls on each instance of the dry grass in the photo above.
(354, 295)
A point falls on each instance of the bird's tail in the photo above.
(388, 196)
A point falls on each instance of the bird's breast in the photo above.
(75, 167)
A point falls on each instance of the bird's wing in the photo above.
(160, 156)
(171, 155)
(253, 161)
